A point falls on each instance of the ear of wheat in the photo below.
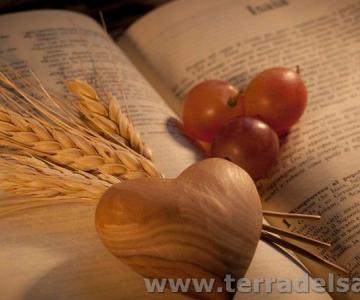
(44, 183)
(56, 159)
(64, 138)
(62, 147)
(107, 119)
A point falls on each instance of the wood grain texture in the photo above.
(204, 224)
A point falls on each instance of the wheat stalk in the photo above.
(68, 162)
(44, 184)
(58, 145)
(107, 119)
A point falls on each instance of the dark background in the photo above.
(118, 15)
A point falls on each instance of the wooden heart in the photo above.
(206, 223)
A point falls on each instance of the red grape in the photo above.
(249, 143)
(277, 96)
(208, 106)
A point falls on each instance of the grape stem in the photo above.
(233, 101)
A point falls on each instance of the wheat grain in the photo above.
(73, 149)
(107, 119)
(95, 147)
(72, 163)
(41, 183)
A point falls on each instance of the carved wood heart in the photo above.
(205, 223)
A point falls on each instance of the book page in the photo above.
(319, 167)
(54, 252)
(276, 265)
(62, 45)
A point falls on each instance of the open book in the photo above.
(54, 253)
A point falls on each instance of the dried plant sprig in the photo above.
(268, 237)
(107, 119)
(31, 99)
(72, 149)
(70, 156)
(278, 214)
(41, 183)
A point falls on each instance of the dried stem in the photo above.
(278, 214)
(274, 239)
(296, 236)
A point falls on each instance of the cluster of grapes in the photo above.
(244, 126)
